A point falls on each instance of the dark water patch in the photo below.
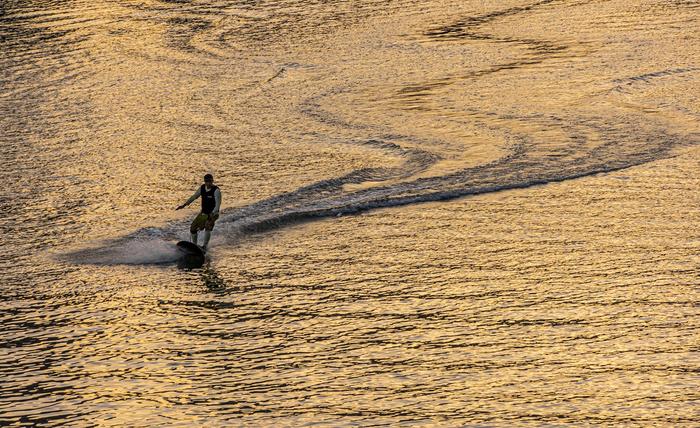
(470, 30)
(464, 28)
(623, 84)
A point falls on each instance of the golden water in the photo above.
(437, 212)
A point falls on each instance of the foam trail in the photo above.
(522, 168)
(127, 251)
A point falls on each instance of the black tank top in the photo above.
(208, 199)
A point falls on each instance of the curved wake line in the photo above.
(592, 145)
(326, 198)
(238, 227)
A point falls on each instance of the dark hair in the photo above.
(208, 177)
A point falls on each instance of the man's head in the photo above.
(208, 179)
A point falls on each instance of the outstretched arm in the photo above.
(192, 198)
(217, 198)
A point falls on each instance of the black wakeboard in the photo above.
(191, 255)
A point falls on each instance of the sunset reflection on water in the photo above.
(436, 213)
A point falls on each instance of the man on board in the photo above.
(211, 202)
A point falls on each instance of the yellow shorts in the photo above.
(203, 221)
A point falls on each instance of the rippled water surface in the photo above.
(436, 212)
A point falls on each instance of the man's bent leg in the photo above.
(209, 223)
(197, 224)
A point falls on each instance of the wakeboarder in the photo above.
(211, 202)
